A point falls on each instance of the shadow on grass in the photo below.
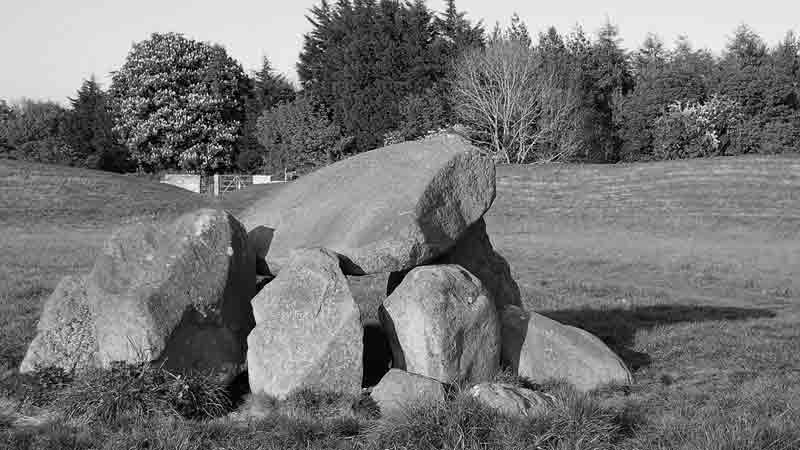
(617, 327)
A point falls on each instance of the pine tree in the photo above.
(518, 32)
(363, 57)
(457, 31)
(89, 130)
(268, 89)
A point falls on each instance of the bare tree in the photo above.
(507, 94)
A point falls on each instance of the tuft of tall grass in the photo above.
(132, 393)
(576, 421)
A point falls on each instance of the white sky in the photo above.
(47, 47)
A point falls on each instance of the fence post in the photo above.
(216, 185)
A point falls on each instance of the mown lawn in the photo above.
(688, 269)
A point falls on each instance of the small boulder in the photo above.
(384, 210)
(475, 253)
(512, 400)
(308, 330)
(176, 293)
(399, 389)
(442, 324)
(541, 349)
(65, 332)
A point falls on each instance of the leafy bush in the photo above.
(299, 136)
(179, 104)
(689, 130)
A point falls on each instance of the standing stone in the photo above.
(512, 400)
(475, 253)
(541, 349)
(65, 332)
(442, 324)
(308, 330)
(399, 389)
(175, 293)
(384, 210)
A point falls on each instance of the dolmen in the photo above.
(184, 293)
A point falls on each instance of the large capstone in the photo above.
(442, 323)
(385, 210)
(308, 330)
(176, 293)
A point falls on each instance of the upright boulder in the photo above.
(65, 331)
(475, 253)
(308, 329)
(540, 349)
(385, 210)
(442, 324)
(177, 293)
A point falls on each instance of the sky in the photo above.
(47, 47)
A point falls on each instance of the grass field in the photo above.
(688, 269)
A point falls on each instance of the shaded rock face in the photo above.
(65, 332)
(399, 389)
(512, 400)
(385, 210)
(442, 324)
(475, 253)
(541, 349)
(177, 293)
(308, 331)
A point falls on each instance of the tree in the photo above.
(33, 131)
(505, 93)
(89, 130)
(6, 115)
(662, 79)
(764, 84)
(607, 77)
(179, 104)
(362, 58)
(518, 32)
(299, 136)
(457, 32)
(268, 89)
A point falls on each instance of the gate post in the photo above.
(216, 185)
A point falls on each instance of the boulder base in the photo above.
(541, 349)
(308, 330)
(442, 324)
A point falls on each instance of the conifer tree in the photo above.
(89, 130)
(363, 57)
